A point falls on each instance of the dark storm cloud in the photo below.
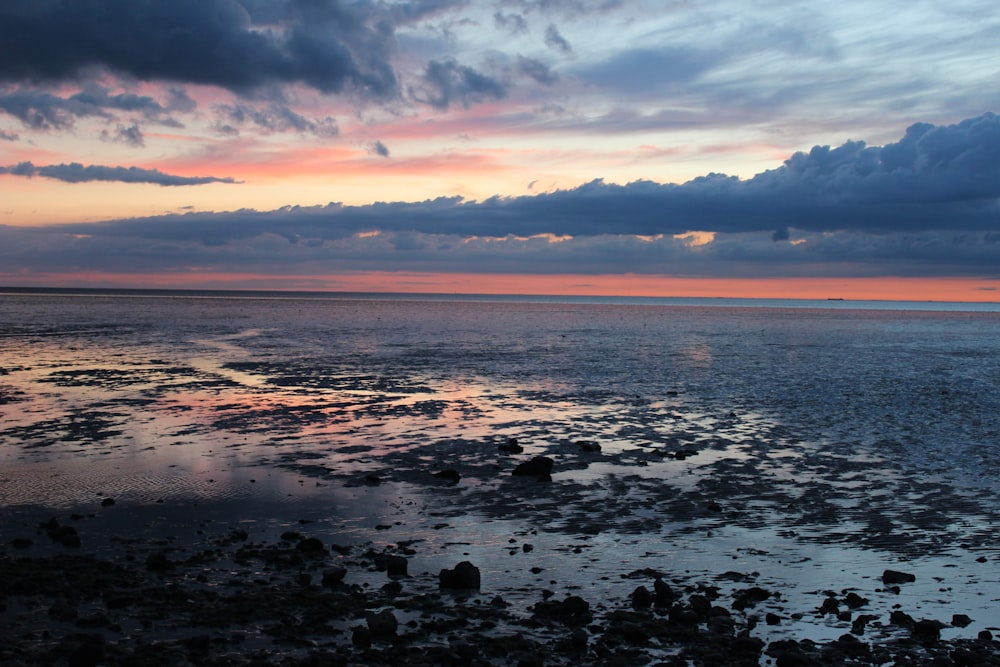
(447, 82)
(325, 44)
(41, 110)
(78, 173)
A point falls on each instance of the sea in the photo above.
(828, 439)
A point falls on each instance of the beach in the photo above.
(205, 479)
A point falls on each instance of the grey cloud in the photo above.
(515, 24)
(380, 149)
(556, 41)
(130, 135)
(640, 71)
(8, 136)
(322, 43)
(75, 172)
(447, 82)
(273, 117)
(41, 110)
(537, 70)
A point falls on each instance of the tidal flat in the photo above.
(284, 481)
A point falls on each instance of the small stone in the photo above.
(540, 467)
(890, 577)
(960, 620)
(311, 546)
(382, 624)
(333, 576)
(450, 475)
(465, 575)
(107, 502)
(772, 619)
(927, 630)
(396, 566)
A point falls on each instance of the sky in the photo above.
(671, 148)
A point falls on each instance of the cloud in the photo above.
(537, 70)
(272, 117)
(78, 173)
(130, 135)
(380, 149)
(926, 205)
(447, 82)
(515, 24)
(556, 41)
(329, 46)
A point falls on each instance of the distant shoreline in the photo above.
(693, 301)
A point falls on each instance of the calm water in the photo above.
(152, 381)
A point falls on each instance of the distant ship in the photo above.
(834, 298)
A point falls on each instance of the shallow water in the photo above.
(833, 442)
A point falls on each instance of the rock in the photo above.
(588, 446)
(382, 624)
(108, 502)
(642, 598)
(21, 543)
(371, 479)
(334, 576)
(361, 637)
(396, 566)
(890, 577)
(510, 447)
(960, 620)
(853, 600)
(772, 619)
(700, 605)
(579, 639)
(64, 535)
(450, 475)
(664, 594)
(749, 597)
(901, 619)
(928, 631)
(159, 562)
(90, 652)
(291, 536)
(311, 546)
(540, 467)
(465, 576)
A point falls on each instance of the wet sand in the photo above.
(222, 499)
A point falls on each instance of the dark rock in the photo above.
(527, 548)
(291, 536)
(901, 619)
(579, 639)
(960, 620)
(371, 479)
(393, 588)
(772, 619)
(747, 645)
(642, 598)
(450, 475)
(62, 534)
(465, 575)
(540, 467)
(890, 577)
(664, 594)
(985, 636)
(159, 562)
(312, 546)
(511, 447)
(749, 597)
(361, 637)
(108, 502)
(382, 624)
(588, 446)
(21, 543)
(853, 600)
(859, 623)
(575, 606)
(700, 605)
(396, 566)
(90, 652)
(333, 576)
(927, 630)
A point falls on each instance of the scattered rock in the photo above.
(311, 546)
(158, 561)
(588, 446)
(334, 576)
(108, 502)
(928, 631)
